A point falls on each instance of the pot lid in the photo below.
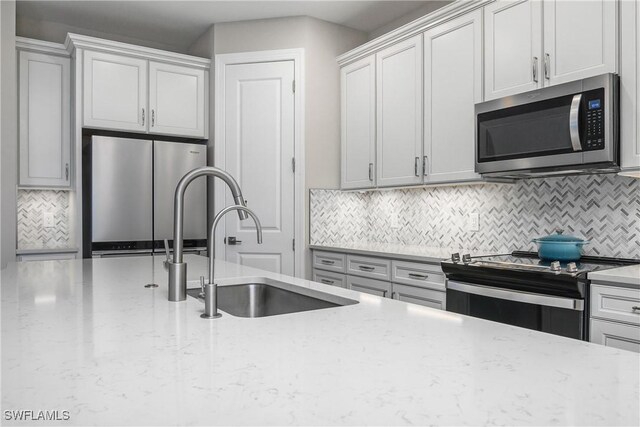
(559, 237)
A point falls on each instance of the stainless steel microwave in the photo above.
(564, 129)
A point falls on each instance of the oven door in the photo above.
(569, 125)
(545, 313)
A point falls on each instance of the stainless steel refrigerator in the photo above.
(129, 185)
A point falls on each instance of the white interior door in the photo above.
(259, 148)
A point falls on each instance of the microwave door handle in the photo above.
(574, 122)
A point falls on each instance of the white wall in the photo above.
(57, 32)
(8, 131)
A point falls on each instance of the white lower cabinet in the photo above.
(369, 286)
(330, 278)
(615, 316)
(408, 281)
(419, 296)
(617, 335)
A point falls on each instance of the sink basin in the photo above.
(261, 300)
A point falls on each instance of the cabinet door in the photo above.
(176, 100)
(45, 138)
(419, 296)
(630, 85)
(358, 115)
(579, 39)
(115, 92)
(399, 113)
(369, 286)
(616, 335)
(513, 46)
(452, 86)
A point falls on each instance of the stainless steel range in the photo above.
(522, 290)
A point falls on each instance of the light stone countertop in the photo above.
(87, 337)
(418, 253)
(628, 276)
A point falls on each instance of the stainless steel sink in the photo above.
(261, 300)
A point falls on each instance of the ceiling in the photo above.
(180, 23)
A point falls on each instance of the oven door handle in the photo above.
(574, 122)
(519, 296)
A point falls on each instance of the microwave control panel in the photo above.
(594, 120)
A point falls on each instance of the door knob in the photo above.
(231, 240)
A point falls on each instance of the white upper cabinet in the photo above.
(399, 113)
(45, 139)
(358, 130)
(630, 85)
(176, 100)
(452, 85)
(513, 46)
(579, 39)
(115, 92)
(138, 89)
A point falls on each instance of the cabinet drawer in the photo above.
(613, 303)
(616, 335)
(416, 274)
(329, 278)
(419, 295)
(369, 286)
(375, 268)
(331, 261)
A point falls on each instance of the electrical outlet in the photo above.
(48, 220)
(474, 221)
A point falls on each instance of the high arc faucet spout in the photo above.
(212, 233)
(177, 268)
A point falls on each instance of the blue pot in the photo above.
(559, 247)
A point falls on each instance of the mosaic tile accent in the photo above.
(31, 231)
(604, 209)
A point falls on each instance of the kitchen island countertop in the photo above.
(628, 276)
(86, 336)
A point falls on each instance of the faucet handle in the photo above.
(166, 250)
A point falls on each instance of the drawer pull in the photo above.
(366, 268)
(327, 281)
(418, 276)
(635, 308)
(327, 262)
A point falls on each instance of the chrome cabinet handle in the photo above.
(371, 172)
(425, 164)
(153, 118)
(231, 240)
(327, 262)
(635, 308)
(66, 171)
(574, 128)
(393, 295)
(535, 69)
(418, 276)
(327, 281)
(366, 268)
(143, 117)
(547, 66)
(415, 166)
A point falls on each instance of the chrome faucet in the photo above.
(177, 268)
(210, 289)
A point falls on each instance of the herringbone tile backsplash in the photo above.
(604, 209)
(31, 231)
